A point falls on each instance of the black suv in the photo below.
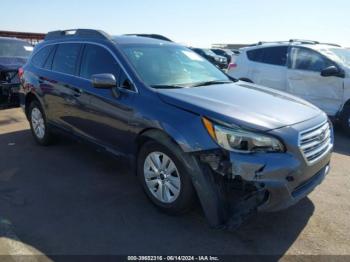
(13, 54)
(219, 61)
(224, 52)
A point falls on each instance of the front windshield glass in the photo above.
(170, 65)
(13, 48)
(342, 54)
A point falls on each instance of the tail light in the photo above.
(231, 66)
(20, 72)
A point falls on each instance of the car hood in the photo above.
(11, 63)
(242, 104)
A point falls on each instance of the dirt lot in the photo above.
(70, 199)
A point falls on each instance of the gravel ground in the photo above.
(70, 199)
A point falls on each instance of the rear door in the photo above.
(269, 66)
(65, 100)
(40, 76)
(304, 79)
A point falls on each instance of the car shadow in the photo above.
(69, 199)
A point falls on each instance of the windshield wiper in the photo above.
(208, 83)
(167, 86)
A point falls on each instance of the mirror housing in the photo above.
(103, 81)
(332, 71)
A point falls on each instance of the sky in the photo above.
(193, 22)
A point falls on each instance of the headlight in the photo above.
(239, 140)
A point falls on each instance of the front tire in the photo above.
(38, 124)
(164, 178)
(345, 119)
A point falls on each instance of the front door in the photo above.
(304, 80)
(105, 119)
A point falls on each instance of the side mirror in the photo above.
(103, 81)
(332, 71)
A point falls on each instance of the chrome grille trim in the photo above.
(314, 143)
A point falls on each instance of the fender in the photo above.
(28, 97)
(190, 134)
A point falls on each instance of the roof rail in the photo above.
(302, 41)
(312, 42)
(73, 33)
(331, 44)
(299, 41)
(155, 36)
(267, 42)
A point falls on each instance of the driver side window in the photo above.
(97, 60)
(308, 60)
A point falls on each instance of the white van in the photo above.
(317, 72)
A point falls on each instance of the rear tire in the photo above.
(345, 119)
(38, 124)
(164, 178)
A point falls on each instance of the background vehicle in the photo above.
(317, 72)
(219, 61)
(13, 54)
(187, 127)
(225, 53)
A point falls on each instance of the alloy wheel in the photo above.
(38, 123)
(162, 177)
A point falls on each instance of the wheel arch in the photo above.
(29, 98)
(157, 135)
(346, 104)
(202, 179)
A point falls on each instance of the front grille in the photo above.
(315, 142)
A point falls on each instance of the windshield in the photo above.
(13, 48)
(169, 65)
(342, 54)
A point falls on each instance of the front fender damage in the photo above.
(229, 191)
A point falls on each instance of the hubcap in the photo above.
(38, 123)
(162, 177)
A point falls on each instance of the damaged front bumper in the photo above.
(231, 186)
(284, 178)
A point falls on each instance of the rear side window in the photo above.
(49, 59)
(270, 55)
(309, 60)
(40, 57)
(97, 60)
(65, 59)
(255, 55)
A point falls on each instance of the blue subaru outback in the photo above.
(189, 130)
